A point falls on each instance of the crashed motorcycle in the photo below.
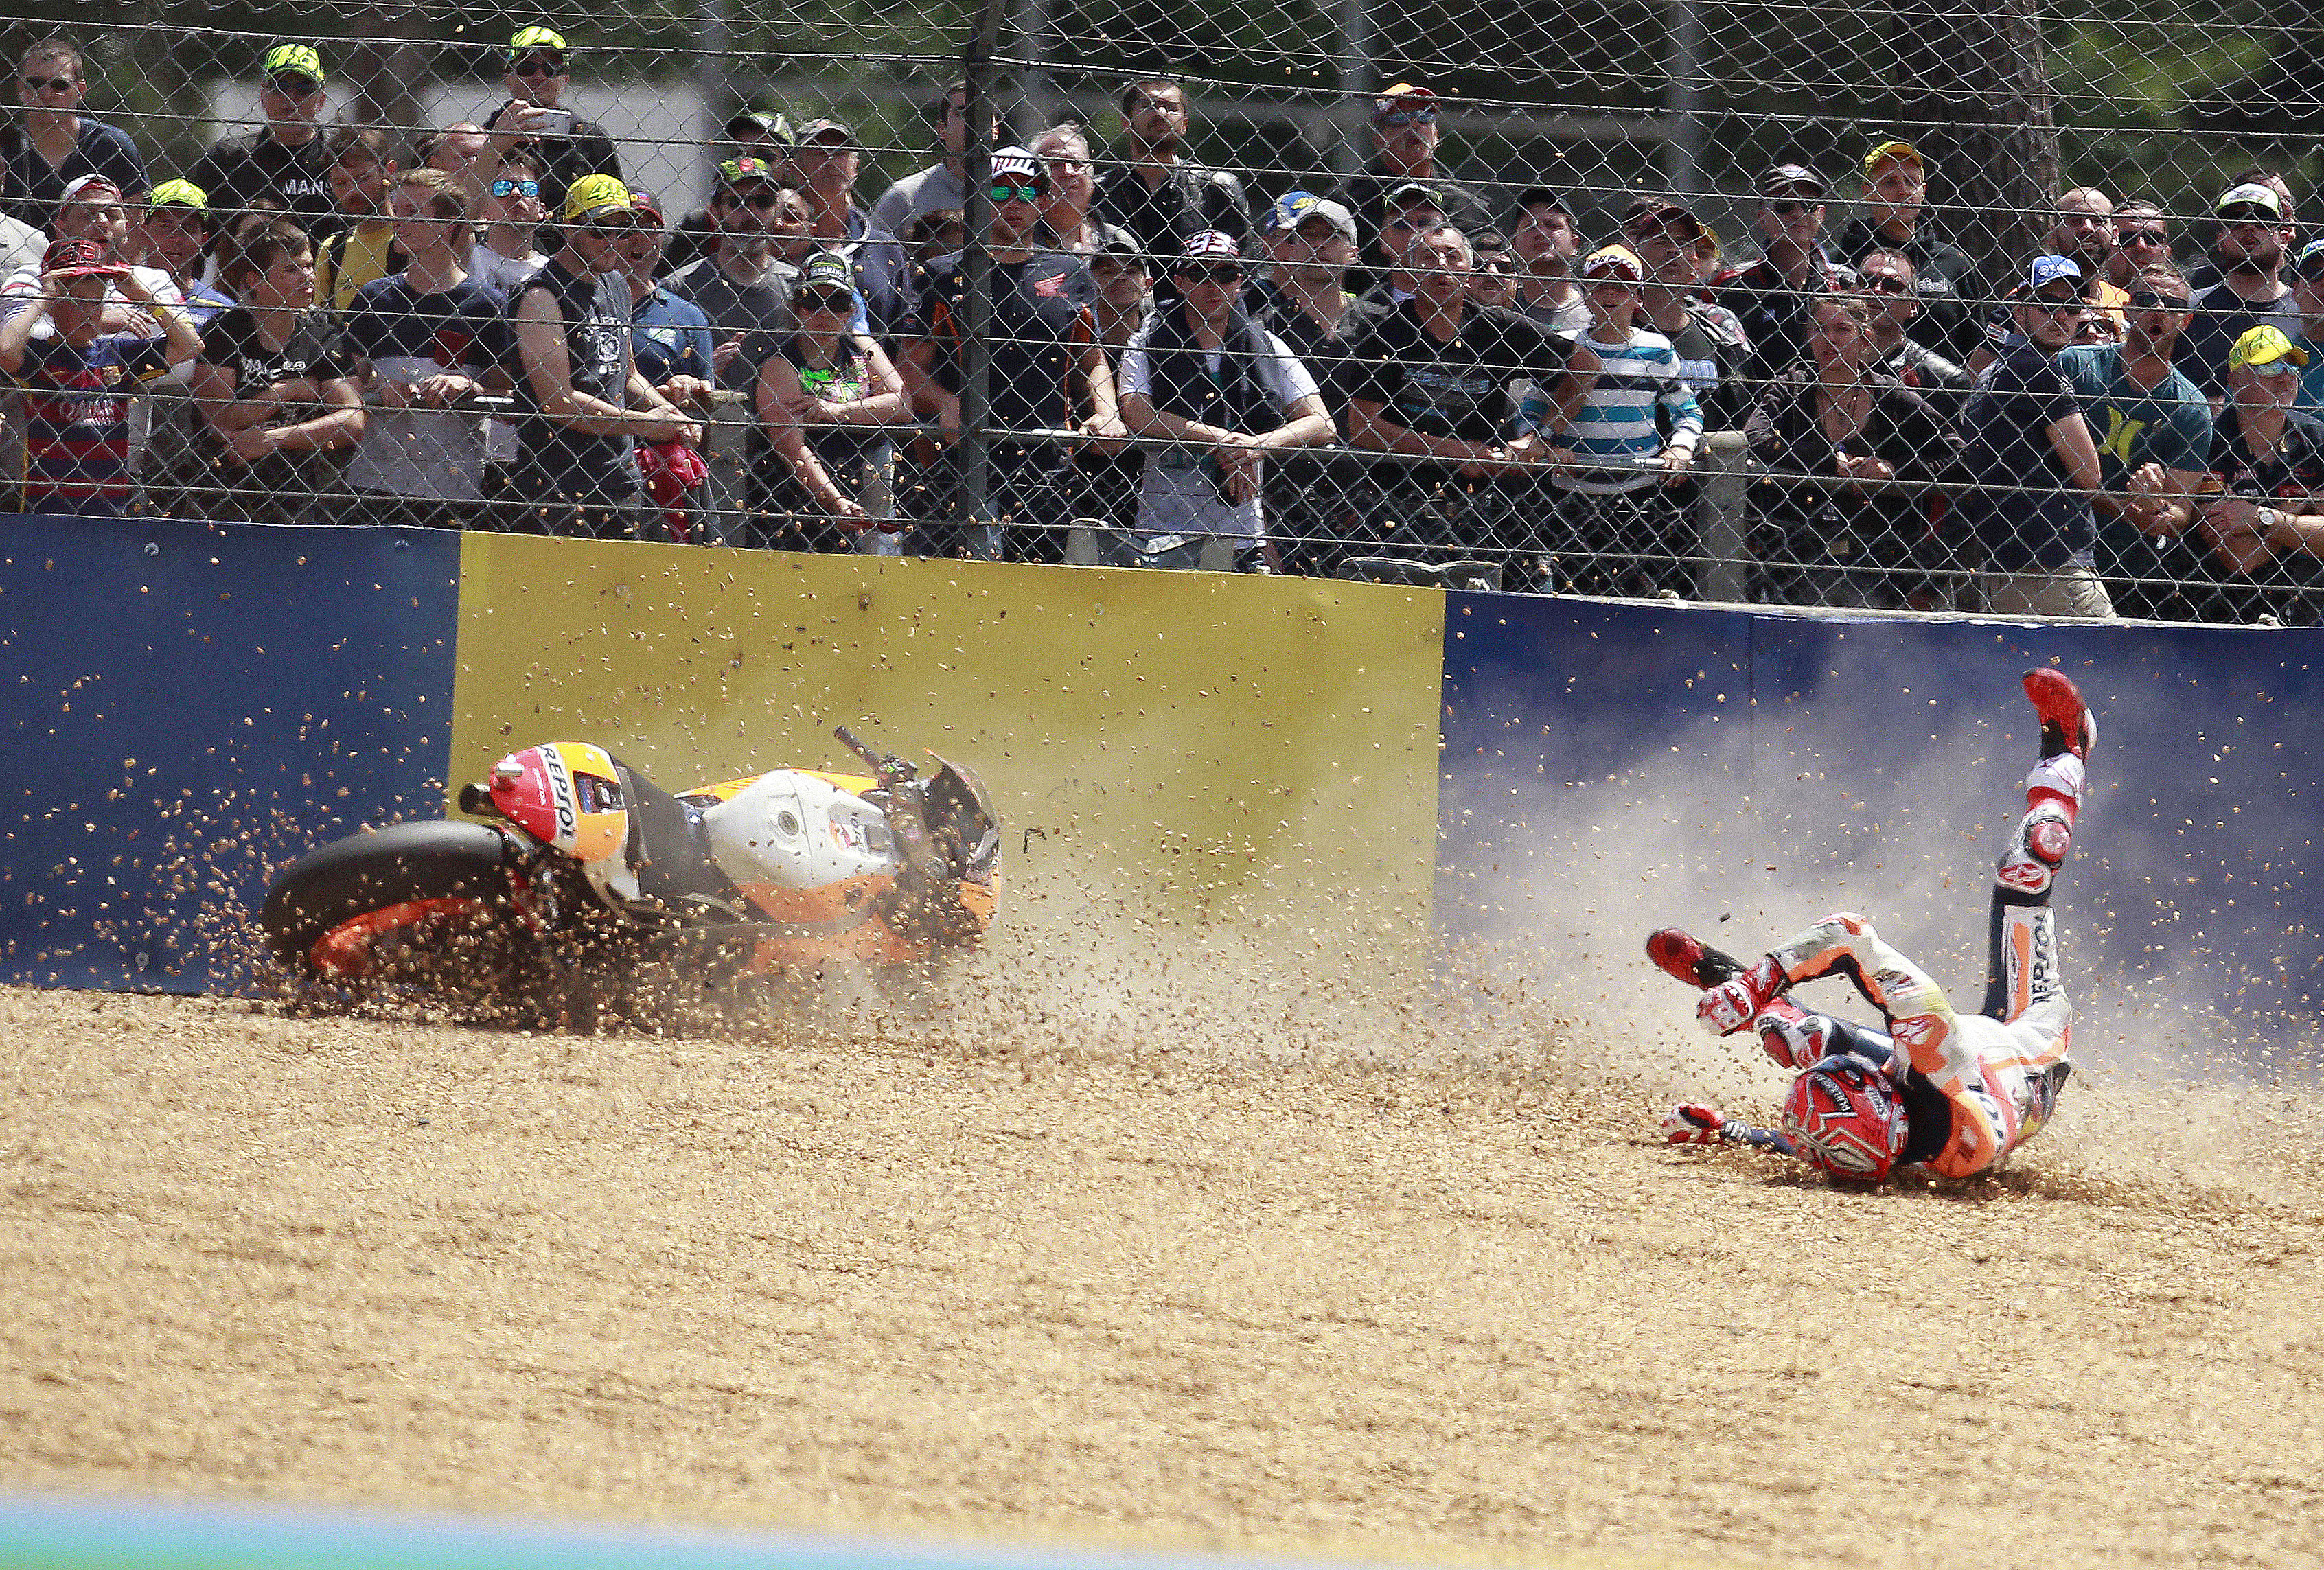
(585, 888)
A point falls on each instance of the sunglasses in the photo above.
(1221, 274)
(1409, 118)
(1883, 283)
(823, 299)
(509, 187)
(295, 86)
(2148, 300)
(2274, 369)
(51, 84)
(764, 201)
(1022, 193)
(2245, 213)
(2054, 307)
(1792, 209)
(537, 67)
(2143, 237)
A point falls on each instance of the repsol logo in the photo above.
(560, 792)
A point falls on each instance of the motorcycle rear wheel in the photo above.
(415, 903)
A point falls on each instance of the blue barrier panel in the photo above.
(186, 700)
(1609, 767)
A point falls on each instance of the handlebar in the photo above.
(887, 767)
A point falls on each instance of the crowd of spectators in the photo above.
(1403, 371)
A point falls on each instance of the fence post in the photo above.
(1719, 518)
(973, 453)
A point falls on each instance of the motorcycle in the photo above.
(587, 888)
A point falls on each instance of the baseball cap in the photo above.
(1785, 178)
(1122, 242)
(1211, 243)
(1412, 190)
(1404, 99)
(646, 202)
(764, 121)
(1667, 211)
(2046, 271)
(1614, 261)
(1295, 207)
(2251, 193)
(1882, 152)
(85, 259)
(737, 170)
(1539, 196)
(528, 39)
(2309, 265)
(89, 188)
(292, 59)
(2262, 346)
(593, 195)
(1017, 164)
(828, 269)
(821, 129)
(180, 193)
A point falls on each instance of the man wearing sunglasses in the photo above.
(1407, 129)
(1155, 192)
(1888, 282)
(1048, 372)
(1771, 296)
(2031, 465)
(539, 68)
(55, 143)
(2142, 237)
(743, 285)
(2152, 428)
(2266, 529)
(285, 156)
(2251, 292)
(1893, 216)
(1662, 232)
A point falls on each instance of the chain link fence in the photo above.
(1738, 302)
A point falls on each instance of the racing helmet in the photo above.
(1845, 1119)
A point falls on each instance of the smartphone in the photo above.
(554, 123)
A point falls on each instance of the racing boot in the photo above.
(2053, 790)
(1684, 957)
(2067, 725)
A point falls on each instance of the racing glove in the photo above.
(1735, 1003)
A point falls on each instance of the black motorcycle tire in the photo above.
(393, 877)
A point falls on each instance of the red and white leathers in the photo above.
(1995, 1075)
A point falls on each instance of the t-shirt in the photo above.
(35, 186)
(2221, 316)
(2293, 478)
(759, 311)
(1469, 388)
(2170, 425)
(77, 414)
(352, 258)
(1044, 315)
(240, 168)
(1618, 418)
(314, 351)
(933, 190)
(409, 336)
(670, 337)
(2034, 519)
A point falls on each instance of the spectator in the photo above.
(275, 386)
(1840, 415)
(1228, 392)
(1161, 197)
(2032, 464)
(1892, 218)
(828, 396)
(670, 338)
(90, 209)
(1615, 529)
(942, 184)
(422, 340)
(1125, 297)
(2251, 292)
(1893, 293)
(1545, 242)
(2153, 433)
(2082, 231)
(1406, 212)
(540, 69)
(2263, 453)
(2212, 269)
(1712, 348)
(825, 162)
(1048, 371)
(2142, 237)
(1068, 223)
(22, 247)
(512, 212)
(580, 397)
(1494, 279)
(166, 448)
(1404, 137)
(283, 163)
(453, 151)
(76, 413)
(170, 239)
(741, 284)
(1770, 296)
(1310, 496)
(363, 250)
(1435, 382)
(2308, 294)
(762, 134)
(56, 143)
(935, 235)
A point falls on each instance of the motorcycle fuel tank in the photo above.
(801, 848)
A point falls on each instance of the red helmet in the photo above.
(1844, 1119)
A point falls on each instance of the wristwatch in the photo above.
(2268, 519)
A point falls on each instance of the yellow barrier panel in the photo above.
(1190, 746)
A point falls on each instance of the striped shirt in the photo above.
(76, 418)
(1618, 418)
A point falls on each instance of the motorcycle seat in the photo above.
(665, 849)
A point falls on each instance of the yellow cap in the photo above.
(596, 194)
(1902, 151)
(180, 193)
(285, 59)
(1618, 262)
(2264, 346)
(529, 39)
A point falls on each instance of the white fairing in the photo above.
(795, 831)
